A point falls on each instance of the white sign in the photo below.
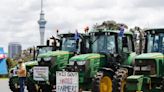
(15, 72)
(40, 73)
(67, 81)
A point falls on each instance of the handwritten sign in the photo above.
(67, 81)
(15, 72)
(40, 73)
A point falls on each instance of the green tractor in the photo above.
(106, 68)
(149, 67)
(70, 44)
(13, 78)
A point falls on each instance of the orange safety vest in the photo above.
(21, 71)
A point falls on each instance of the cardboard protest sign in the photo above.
(67, 81)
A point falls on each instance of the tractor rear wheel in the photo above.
(102, 82)
(12, 85)
(162, 89)
(119, 80)
(46, 88)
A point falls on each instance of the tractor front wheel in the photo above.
(13, 85)
(46, 88)
(102, 82)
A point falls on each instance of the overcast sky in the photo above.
(18, 18)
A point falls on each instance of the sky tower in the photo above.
(42, 23)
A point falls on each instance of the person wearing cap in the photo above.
(22, 75)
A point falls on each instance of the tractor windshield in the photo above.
(42, 50)
(69, 44)
(145, 67)
(155, 43)
(103, 43)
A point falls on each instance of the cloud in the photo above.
(19, 17)
(150, 3)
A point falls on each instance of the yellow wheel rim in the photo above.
(123, 83)
(106, 84)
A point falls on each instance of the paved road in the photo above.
(4, 85)
(5, 88)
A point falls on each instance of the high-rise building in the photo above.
(14, 49)
(42, 23)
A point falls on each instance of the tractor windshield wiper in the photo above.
(95, 40)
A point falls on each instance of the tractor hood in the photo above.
(84, 57)
(134, 83)
(150, 56)
(31, 63)
(54, 53)
(60, 59)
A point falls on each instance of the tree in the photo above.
(110, 25)
(11, 63)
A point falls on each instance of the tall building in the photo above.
(14, 48)
(42, 23)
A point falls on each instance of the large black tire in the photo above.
(102, 82)
(46, 88)
(52, 82)
(31, 86)
(12, 85)
(162, 89)
(119, 80)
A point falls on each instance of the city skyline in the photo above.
(14, 49)
(19, 17)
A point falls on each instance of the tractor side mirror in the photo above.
(55, 43)
(48, 42)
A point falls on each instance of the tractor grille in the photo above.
(77, 68)
(145, 67)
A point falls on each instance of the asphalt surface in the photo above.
(4, 85)
(5, 88)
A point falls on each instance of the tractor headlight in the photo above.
(38, 59)
(81, 62)
(47, 59)
(13, 73)
(71, 62)
(31, 70)
(78, 62)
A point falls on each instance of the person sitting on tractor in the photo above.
(22, 75)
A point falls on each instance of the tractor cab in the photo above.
(110, 44)
(154, 41)
(103, 42)
(74, 42)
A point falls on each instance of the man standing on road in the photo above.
(22, 75)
